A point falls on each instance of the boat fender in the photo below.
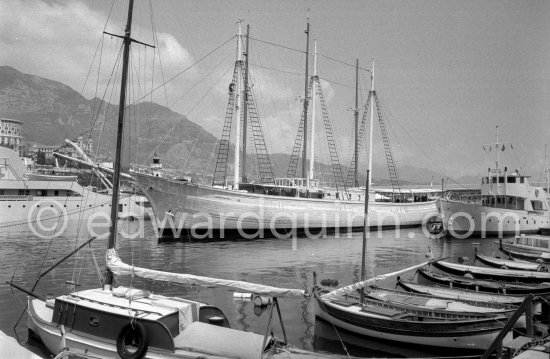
(260, 301)
(132, 334)
(469, 275)
(329, 282)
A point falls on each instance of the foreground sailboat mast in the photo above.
(236, 164)
(304, 153)
(371, 125)
(120, 128)
(313, 100)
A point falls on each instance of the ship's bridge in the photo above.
(513, 184)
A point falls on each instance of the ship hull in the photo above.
(183, 209)
(51, 215)
(462, 220)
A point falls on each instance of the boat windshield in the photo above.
(495, 201)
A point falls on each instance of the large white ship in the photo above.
(182, 209)
(45, 203)
(508, 205)
(276, 207)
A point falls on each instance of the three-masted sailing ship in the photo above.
(275, 207)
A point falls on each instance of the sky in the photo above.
(446, 72)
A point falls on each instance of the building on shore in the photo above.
(11, 134)
(86, 146)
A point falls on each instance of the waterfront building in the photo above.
(11, 132)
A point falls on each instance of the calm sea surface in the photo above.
(285, 263)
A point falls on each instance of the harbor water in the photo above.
(278, 262)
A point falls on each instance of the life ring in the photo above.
(132, 335)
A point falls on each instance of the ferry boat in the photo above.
(508, 205)
(45, 203)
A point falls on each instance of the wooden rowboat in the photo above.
(509, 275)
(409, 324)
(511, 264)
(490, 286)
(460, 294)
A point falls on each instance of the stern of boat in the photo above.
(41, 327)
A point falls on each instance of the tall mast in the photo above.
(304, 153)
(245, 107)
(120, 128)
(365, 229)
(356, 117)
(496, 163)
(372, 104)
(546, 170)
(239, 63)
(313, 98)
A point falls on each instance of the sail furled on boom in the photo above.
(353, 288)
(118, 267)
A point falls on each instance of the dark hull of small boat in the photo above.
(460, 293)
(509, 263)
(484, 285)
(525, 255)
(512, 276)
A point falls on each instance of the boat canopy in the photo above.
(118, 267)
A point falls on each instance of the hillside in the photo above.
(52, 111)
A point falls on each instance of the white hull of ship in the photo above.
(182, 208)
(462, 219)
(50, 214)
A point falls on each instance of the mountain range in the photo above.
(52, 112)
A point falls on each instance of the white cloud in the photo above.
(58, 41)
(174, 56)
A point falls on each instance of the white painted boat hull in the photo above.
(182, 208)
(462, 220)
(49, 215)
